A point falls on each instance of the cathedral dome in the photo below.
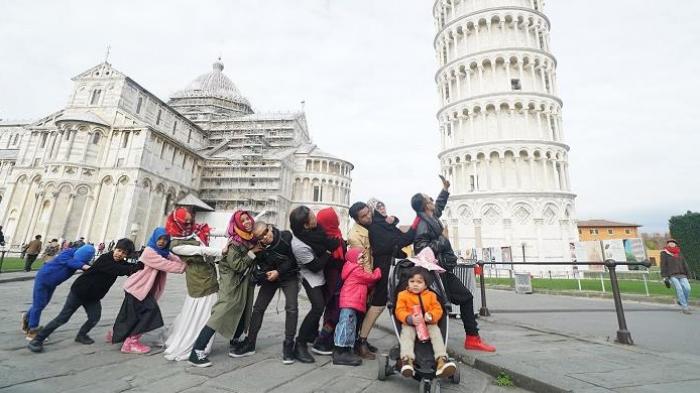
(213, 84)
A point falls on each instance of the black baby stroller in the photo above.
(424, 363)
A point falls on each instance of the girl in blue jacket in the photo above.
(51, 275)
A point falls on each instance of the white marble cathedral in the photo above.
(502, 141)
(116, 159)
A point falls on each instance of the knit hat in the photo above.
(126, 245)
(672, 240)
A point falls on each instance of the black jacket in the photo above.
(385, 238)
(673, 266)
(96, 281)
(429, 234)
(278, 256)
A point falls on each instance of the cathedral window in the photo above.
(125, 140)
(43, 140)
(174, 126)
(189, 135)
(138, 105)
(515, 84)
(160, 112)
(95, 96)
(96, 138)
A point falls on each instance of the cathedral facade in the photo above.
(117, 159)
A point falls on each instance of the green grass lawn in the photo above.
(14, 264)
(626, 286)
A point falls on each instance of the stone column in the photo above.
(54, 199)
(30, 225)
(109, 213)
(69, 211)
(477, 234)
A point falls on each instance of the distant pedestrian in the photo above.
(80, 242)
(51, 250)
(101, 248)
(674, 270)
(32, 251)
(2, 237)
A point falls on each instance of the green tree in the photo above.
(686, 230)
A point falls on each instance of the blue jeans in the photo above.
(346, 328)
(682, 287)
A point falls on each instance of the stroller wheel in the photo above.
(382, 366)
(455, 377)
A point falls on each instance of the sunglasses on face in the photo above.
(262, 235)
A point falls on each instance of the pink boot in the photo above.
(133, 345)
(108, 337)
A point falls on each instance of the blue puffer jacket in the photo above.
(60, 268)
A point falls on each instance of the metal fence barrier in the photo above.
(623, 334)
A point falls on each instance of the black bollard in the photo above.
(484, 311)
(623, 335)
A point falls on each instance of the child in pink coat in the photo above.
(353, 300)
(140, 312)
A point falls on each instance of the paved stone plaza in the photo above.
(69, 367)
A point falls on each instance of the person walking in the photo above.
(431, 233)
(275, 269)
(190, 242)
(2, 237)
(87, 291)
(232, 309)
(32, 251)
(312, 249)
(675, 271)
(51, 250)
(50, 276)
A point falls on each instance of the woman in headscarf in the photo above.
(386, 241)
(190, 242)
(330, 223)
(312, 249)
(232, 310)
(140, 313)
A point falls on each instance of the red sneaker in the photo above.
(474, 343)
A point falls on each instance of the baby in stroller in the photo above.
(419, 307)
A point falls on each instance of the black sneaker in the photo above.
(36, 346)
(234, 344)
(346, 357)
(322, 347)
(246, 348)
(301, 353)
(84, 339)
(288, 352)
(198, 359)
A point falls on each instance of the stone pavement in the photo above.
(544, 360)
(69, 367)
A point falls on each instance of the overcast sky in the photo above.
(628, 75)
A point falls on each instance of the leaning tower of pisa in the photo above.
(501, 134)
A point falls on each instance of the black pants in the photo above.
(290, 289)
(28, 261)
(457, 293)
(93, 309)
(309, 326)
(380, 293)
(207, 333)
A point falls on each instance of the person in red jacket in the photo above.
(353, 300)
(418, 294)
